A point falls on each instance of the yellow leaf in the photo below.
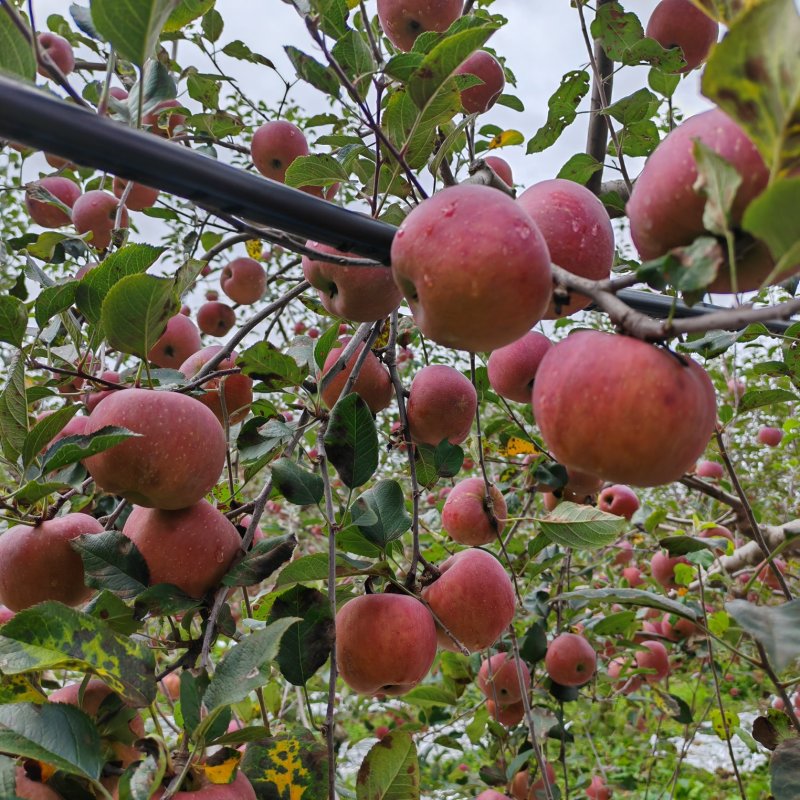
(519, 447)
(222, 766)
(506, 139)
(253, 248)
(718, 724)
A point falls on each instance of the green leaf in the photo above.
(638, 139)
(562, 108)
(136, 311)
(403, 65)
(631, 597)
(311, 71)
(213, 25)
(580, 168)
(432, 463)
(511, 101)
(55, 733)
(319, 169)
(164, 599)
(246, 666)
(351, 441)
(386, 503)
(682, 545)
(274, 369)
(54, 300)
(297, 485)
(663, 83)
(241, 52)
(390, 771)
(16, 53)
(640, 105)
(14, 408)
(784, 770)
(13, 320)
(113, 612)
(354, 55)
(777, 628)
(689, 269)
(218, 124)
(43, 432)
(112, 561)
(186, 12)
(72, 449)
(325, 344)
(52, 636)
(443, 59)
(772, 217)
(758, 398)
(581, 527)
(132, 27)
(95, 285)
(265, 557)
(754, 75)
(719, 181)
(333, 16)
(307, 643)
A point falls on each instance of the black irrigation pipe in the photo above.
(31, 117)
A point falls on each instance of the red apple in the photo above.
(623, 409)
(570, 660)
(441, 405)
(180, 340)
(767, 574)
(710, 469)
(501, 168)
(373, 385)
(244, 281)
(60, 52)
(237, 392)
(385, 643)
(239, 789)
(680, 23)
(662, 568)
(537, 790)
(578, 232)
(75, 427)
(37, 563)
(191, 548)
(139, 198)
(474, 599)
(175, 460)
(95, 212)
(620, 500)
(512, 369)
(597, 789)
(403, 20)
(770, 436)
(161, 123)
(96, 395)
(501, 682)
(27, 789)
(653, 657)
(473, 267)
(480, 98)
(275, 145)
(465, 515)
(360, 294)
(627, 684)
(215, 318)
(46, 214)
(508, 715)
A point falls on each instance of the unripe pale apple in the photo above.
(474, 599)
(512, 369)
(215, 318)
(680, 23)
(578, 232)
(140, 196)
(403, 20)
(620, 500)
(46, 214)
(244, 281)
(163, 125)
(60, 52)
(508, 715)
(666, 211)
(623, 409)
(179, 340)
(570, 660)
(480, 98)
(710, 469)
(27, 789)
(770, 436)
(177, 458)
(360, 294)
(465, 515)
(662, 568)
(501, 168)
(237, 392)
(473, 267)
(653, 657)
(441, 405)
(275, 145)
(191, 548)
(37, 563)
(501, 682)
(373, 385)
(385, 643)
(96, 212)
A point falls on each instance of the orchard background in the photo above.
(606, 640)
